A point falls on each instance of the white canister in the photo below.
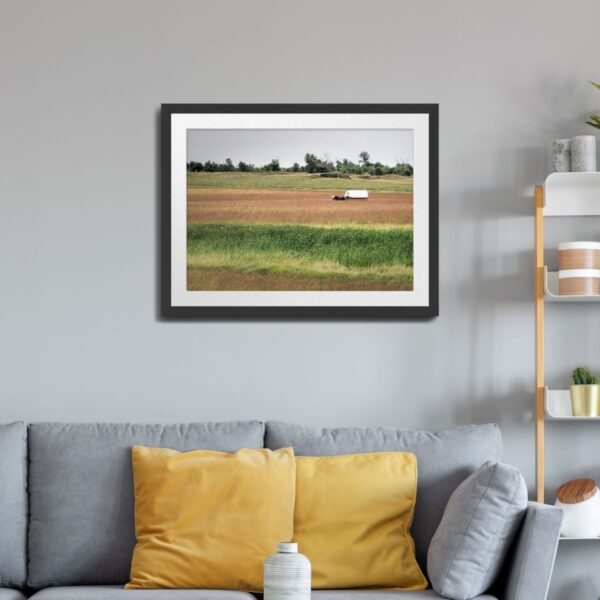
(579, 282)
(287, 574)
(581, 516)
(579, 255)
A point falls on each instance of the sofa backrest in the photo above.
(81, 527)
(444, 459)
(13, 505)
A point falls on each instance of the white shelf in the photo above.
(551, 290)
(558, 407)
(572, 195)
(577, 539)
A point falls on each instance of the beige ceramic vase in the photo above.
(585, 400)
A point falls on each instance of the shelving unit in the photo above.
(551, 290)
(557, 405)
(571, 195)
(562, 195)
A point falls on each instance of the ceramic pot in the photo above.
(581, 519)
(585, 400)
(287, 574)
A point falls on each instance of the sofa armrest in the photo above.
(531, 560)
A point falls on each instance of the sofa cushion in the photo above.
(479, 524)
(81, 528)
(444, 460)
(531, 559)
(382, 595)
(13, 505)
(207, 519)
(352, 520)
(107, 592)
(9, 594)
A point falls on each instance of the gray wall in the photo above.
(80, 339)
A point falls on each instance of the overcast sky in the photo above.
(260, 146)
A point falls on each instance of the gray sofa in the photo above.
(68, 513)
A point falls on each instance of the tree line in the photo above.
(312, 164)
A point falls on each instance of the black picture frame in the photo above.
(168, 310)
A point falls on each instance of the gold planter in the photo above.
(585, 400)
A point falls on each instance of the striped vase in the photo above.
(287, 574)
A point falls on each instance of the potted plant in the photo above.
(594, 119)
(585, 394)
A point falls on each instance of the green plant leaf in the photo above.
(579, 376)
(594, 121)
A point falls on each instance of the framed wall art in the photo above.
(291, 211)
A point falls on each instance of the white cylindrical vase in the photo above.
(583, 153)
(287, 574)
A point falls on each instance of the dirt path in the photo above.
(206, 205)
(230, 280)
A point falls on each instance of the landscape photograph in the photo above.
(299, 210)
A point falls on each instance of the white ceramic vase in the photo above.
(581, 519)
(287, 574)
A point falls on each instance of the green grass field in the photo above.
(348, 245)
(299, 181)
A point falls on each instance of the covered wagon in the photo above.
(353, 195)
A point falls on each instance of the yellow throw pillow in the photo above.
(208, 519)
(352, 520)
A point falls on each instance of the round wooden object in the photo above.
(576, 490)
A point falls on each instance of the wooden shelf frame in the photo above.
(562, 195)
(540, 388)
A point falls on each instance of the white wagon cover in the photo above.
(356, 194)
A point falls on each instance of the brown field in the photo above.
(227, 279)
(217, 205)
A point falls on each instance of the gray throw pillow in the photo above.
(475, 533)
